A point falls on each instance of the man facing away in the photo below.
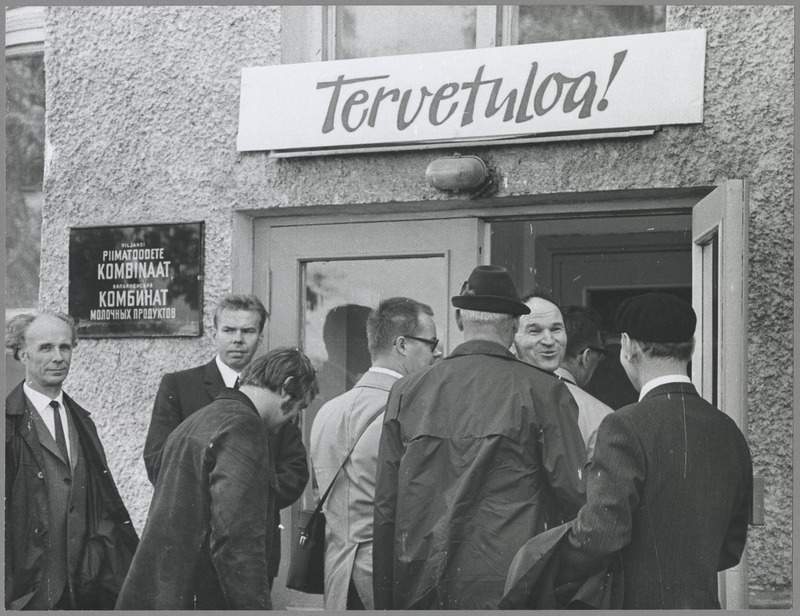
(670, 486)
(238, 330)
(402, 339)
(544, 340)
(472, 450)
(205, 544)
(63, 513)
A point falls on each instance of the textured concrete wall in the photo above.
(142, 119)
(142, 109)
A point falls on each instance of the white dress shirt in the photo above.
(663, 380)
(41, 403)
(229, 375)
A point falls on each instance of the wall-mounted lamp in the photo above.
(457, 173)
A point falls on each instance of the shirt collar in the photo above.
(393, 373)
(39, 400)
(229, 375)
(565, 375)
(663, 380)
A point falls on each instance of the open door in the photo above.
(319, 282)
(719, 297)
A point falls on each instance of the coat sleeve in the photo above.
(736, 534)
(291, 464)
(605, 524)
(386, 482)
(165, 418)
(239, 501)
(563, 450)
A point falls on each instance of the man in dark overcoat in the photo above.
(670, 485)
(69, 539)
(205, 545)
(476, 452)
(238, 330)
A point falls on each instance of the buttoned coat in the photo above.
(670, 487)
(205, 544)
(110, 539)
(473, 453)
(182, 393)
(350, 504)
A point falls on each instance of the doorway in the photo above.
(597, 263)
(591, 250)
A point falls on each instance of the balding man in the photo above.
(543, 339)
(69, 538)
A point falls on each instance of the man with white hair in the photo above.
(476, 453)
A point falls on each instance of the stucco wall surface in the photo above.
(142, 120)
(142, 106)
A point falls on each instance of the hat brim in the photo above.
(490, 303)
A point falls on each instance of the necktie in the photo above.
(61, 440)
(236, 384)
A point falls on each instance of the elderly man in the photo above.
(69, 538)
(474, 449)
(543, 340)
(238, 330)
(205, 545)
(670, 485)
(401, 336)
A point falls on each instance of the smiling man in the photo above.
(541, 338)
(60, 496)
(205, 544)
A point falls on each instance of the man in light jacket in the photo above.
(402, 339)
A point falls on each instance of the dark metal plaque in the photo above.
(137, 281)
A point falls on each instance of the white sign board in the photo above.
(588, 85)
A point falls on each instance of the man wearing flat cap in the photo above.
(475, 453)
(670, 485)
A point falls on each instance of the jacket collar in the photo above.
(17, 403)
(234, 394)
(377, 380)
(213, 379)
(481, 347)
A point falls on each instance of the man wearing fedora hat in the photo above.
(670, 485)
(476, 453)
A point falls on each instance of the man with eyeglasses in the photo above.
(583, 353)
(401, 337)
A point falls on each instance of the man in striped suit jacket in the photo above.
(670, 486)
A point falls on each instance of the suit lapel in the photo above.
(213, 379)
(74, 437)
(43, 435)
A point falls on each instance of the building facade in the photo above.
(142, 120)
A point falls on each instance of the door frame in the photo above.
(645, 202)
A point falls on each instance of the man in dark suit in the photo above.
(69, 538)
(670, 486)
(238, 330)
(205, 545)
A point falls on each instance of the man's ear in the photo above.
(625, 346)
(459, 322)
(284, 388)
(401, 345)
